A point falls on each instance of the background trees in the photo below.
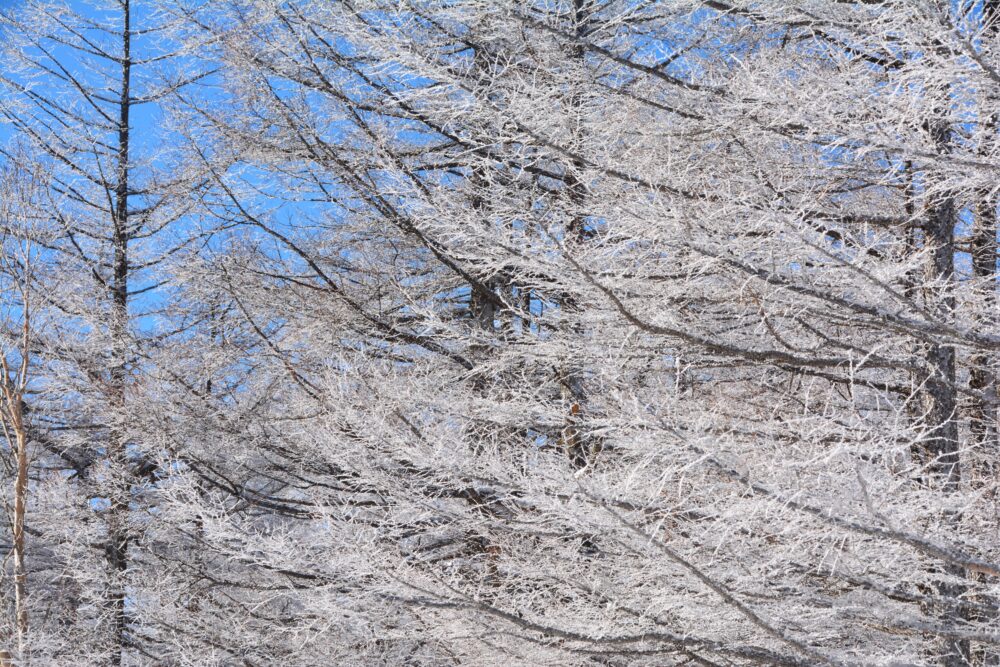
(538, 333)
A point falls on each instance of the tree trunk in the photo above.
(120, 491)
(17, 436)
(580, 448)
(984, 265)
(16, 430)
(941, 449)
(20, 508)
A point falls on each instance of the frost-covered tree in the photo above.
(82, 85)
(550, 333)
(745, 231)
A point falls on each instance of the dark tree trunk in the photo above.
(120, 489)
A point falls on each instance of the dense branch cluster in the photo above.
(475, 332)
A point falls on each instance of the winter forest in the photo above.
(503, 333)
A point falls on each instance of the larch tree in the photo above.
(20, 213)
(769, 315)
(571, 332)
(82, 86)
